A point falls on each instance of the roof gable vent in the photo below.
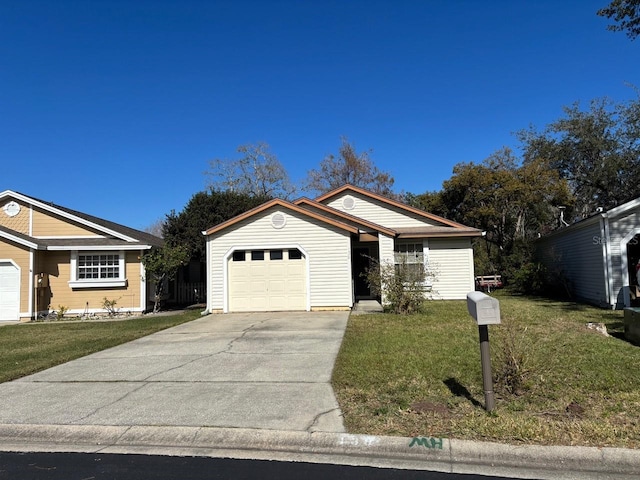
(348, 203)
(278, 220)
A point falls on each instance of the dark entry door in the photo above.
(361, 262)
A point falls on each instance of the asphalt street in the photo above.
(77, 466)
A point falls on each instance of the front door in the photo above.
(361, 263)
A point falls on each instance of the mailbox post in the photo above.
(486, 311)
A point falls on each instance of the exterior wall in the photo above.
(21, 257)
(451, 260)
(19, 223)
(578, 254)
(621, 231)
(328, 249)
(57, 265)
(378, 212)
(385, 246)
(46, 224)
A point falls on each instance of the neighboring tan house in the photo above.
(595, 259)
(51, 256)
(310, 254)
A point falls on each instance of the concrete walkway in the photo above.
(258, 370)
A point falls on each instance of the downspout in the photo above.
(143, 284)
(208, 281)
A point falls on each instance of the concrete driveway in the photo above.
(258, 370)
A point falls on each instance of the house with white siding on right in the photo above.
(597, 259)
(311, 254)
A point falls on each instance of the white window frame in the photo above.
(417, 256)
(413, 256)
(75, 282)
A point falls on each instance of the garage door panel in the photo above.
(277, 269)
(277, 287)
(269, 282)
(9, 291)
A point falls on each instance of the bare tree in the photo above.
(258, 172)
(156, 228)
(349, 167)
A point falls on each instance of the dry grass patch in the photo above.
(420, 375)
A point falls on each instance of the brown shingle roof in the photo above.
(426, 232)
(138, 235)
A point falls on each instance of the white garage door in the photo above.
(267, 280)
(9, 291)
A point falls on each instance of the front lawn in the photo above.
(420, 375)
(30, 347)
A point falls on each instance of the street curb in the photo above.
(420, 453)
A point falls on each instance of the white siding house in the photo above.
(376, 210)
(451, 260)
(324, 250)
(596, 258)
(310, 254)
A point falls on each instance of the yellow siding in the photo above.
(57, 265)
(20, 256)
(19, 223)
(46, 224)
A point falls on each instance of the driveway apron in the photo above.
(256, 370)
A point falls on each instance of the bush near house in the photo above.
(560, 383)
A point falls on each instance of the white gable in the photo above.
(327, 247)
(377, 211)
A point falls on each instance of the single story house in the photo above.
(596, 258)
(51, 256)
(310, 254)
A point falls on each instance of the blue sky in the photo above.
(115, 107)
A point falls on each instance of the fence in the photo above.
(186, 293)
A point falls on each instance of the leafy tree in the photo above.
(258, 173)
(596, 151)
(203, 211)
(626, 13)
(349, 167)
(510, 201)
(161, 264)
(431, 202)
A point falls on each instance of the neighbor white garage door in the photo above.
(9, 291)
(267, 280)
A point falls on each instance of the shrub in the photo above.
(530, 278)
(110, 306)
(402, 287)
(512, 360)
(61, 311)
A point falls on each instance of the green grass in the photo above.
(420, 375)
(30, 347)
